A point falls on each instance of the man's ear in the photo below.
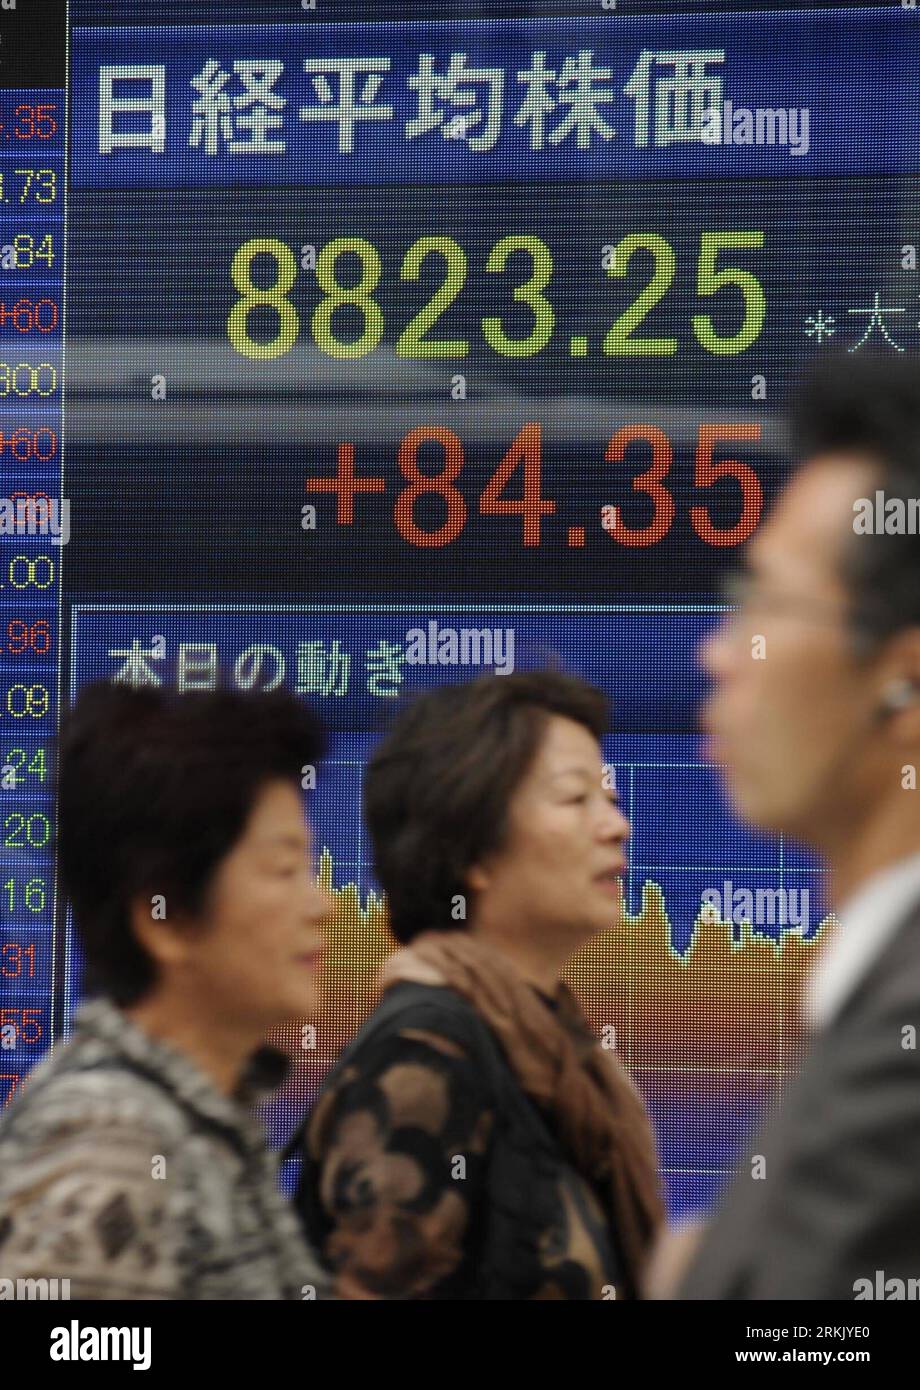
(901, 695)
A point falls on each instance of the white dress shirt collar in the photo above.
(868, 921)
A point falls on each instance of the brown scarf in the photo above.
(557, 1061)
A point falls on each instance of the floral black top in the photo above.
(428, 1173)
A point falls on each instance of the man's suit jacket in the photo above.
(840, 1199)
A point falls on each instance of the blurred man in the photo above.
(820, 740)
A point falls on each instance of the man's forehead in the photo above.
(813, 519)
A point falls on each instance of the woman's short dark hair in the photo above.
(437, 788)
(154, 789)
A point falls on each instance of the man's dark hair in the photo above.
(871, 405)
(437, 788)
(154, 789)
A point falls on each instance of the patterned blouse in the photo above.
(429, 1174)
(125, 1170)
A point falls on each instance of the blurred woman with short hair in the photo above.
(475, 1141)
(130, 1163)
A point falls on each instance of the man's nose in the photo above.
(714, 653)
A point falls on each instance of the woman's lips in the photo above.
(611, 878)
(311, 959)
